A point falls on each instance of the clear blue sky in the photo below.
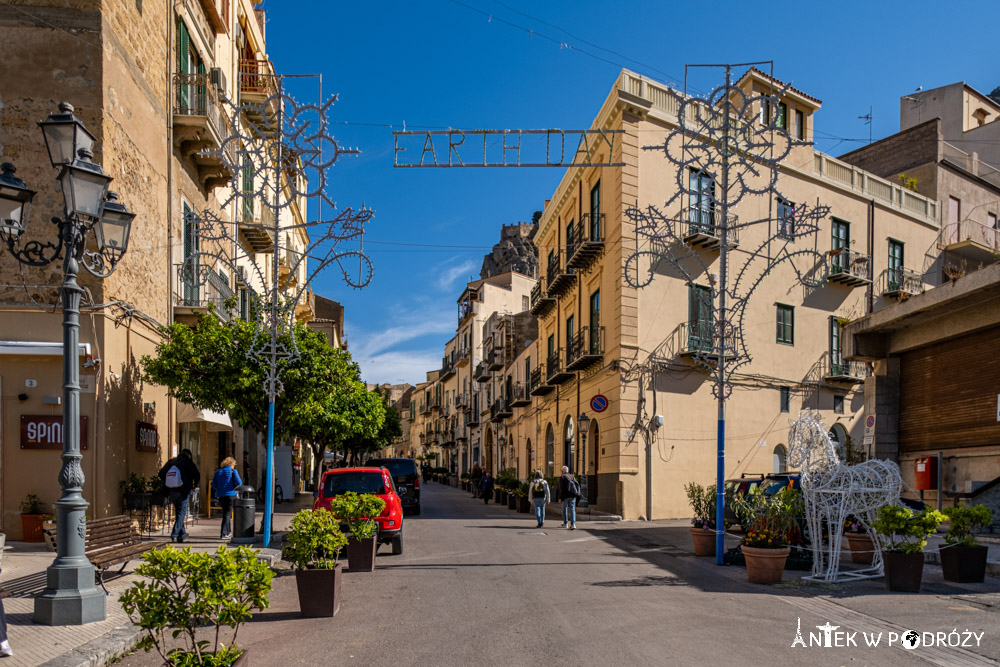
(459, 63)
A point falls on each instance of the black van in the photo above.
(406, 476)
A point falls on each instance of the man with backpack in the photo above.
(539, 490)
(569, 491)
(180, 475)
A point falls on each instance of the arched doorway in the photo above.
(488, 450)
(593, 457)
(550, 451)
(838, 434)
(569, 445)
(779, 460)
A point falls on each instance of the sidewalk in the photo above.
(24, 566)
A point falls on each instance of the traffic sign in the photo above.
(599, 403)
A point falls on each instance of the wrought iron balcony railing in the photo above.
(848, 267)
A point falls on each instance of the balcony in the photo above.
(462, 401)
(585, 349)
(447, 369)
(258, 88)
(472, 418)
(845, 372)
(587, 243)
(972, 241)
(900, 283)
(557, 374)
(462, 357)
(494, 360)
(541, 303)
(200, 129)
(849, 268)
(256, 227)
(198, 289)
(501, 410)
(702, 230)
(539, 384)
(305, 309)
(558, 280)
(482, 373)
(467, 308)
(435, 403)
(699, 338)
(519, 396)
(426, 409)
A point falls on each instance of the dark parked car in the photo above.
(769, 485)
(406, 476)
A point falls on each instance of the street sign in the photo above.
(599, 403)
(869, 427)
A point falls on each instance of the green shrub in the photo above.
(965, 521)
(906, 531)
(314, 540)
(358, 510)
(188, 590)
(32, 504)
(703, 501)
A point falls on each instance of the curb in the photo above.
(98, 652)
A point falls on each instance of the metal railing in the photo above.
(519, 393)
(902, 280)
(837, 367)
(257, 78)
(586, 342)
(707, 222)
(584, 232)
(553, 269)
(553, 366)
(967, 231)
(199, 287)
(698, 336)
(537, 377)
(196, 95)
(855, 264)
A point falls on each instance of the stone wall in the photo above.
(899, 153)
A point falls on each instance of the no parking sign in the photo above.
(599, 403)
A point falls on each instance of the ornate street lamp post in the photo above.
(583, 423)
(70, 596)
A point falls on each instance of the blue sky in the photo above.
(460, 63)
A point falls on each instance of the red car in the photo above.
(376, 481)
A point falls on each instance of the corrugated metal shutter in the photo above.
(948, 394)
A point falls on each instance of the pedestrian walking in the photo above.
(224, 484)
(540, 497)
(569, 491)
(5, 650)
(180, 475)
(476, 477)
(486, 486)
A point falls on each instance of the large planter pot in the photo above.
(136, 501)
(496, 495)
(511, 501)
(319, 591)
(31, 528)
(966, 565)
(765, 566)
(903, 572)
(862, 548)
(524, 505)
(704, 541)
(361, 554)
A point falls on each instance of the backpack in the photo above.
(538, 489)
(172, 480)
(573, 487)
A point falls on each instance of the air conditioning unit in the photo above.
(218, 77)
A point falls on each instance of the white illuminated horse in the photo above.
(834, 490)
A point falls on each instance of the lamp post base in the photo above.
(70, 598)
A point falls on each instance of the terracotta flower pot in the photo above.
(31, 527)
(704, 541)
(966, 565)
(765, 566)
(361, 554)
(862, 548)
(319, 591)
(903, 572)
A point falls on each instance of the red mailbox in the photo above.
(925, 473)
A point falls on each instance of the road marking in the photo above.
(586, 539)
(452, 554)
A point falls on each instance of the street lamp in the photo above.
(583, 423)
(70, 596)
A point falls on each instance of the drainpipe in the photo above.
(871, 259)
(649, 458)
(581, 464)
(171, 403)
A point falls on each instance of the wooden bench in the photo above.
(112, 541)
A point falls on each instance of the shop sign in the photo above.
(46, 432)
(146, 437)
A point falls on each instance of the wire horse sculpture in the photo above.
(278, 154)
(834, 490)
(726, 149)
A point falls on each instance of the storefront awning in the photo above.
(216, 421)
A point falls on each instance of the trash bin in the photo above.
(244, 507)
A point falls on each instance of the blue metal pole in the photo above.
(269, 474)
(720, 495)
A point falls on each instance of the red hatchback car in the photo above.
(376, 481)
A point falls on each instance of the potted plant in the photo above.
(771, 526)
(859, 541)
(512, 495)
(135, 492)
(963, 559)
(903, 535)
(523, 503)
(312, 546)
(182, 593)
(702, 500)
(32, 515)
(358, 510)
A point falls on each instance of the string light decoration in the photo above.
(278, 154)
(834, 490)
(726, 150)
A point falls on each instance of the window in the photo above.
(700, 318)
(191, 96)
(779, 460)
(551, 346)
(570, 330)
(786, 324)
(782, 115)
(527, 368)
(785, 399)
(569, 450)
(244, 304)
(765, 111)
(786, 218)
(800, 125)
(895, 274)
(550, 451)
(991, 221)
(840, 240)
(595, 322)
(836, 356)
(595, 212)
(525, 303)
(569, 232)
(954, 209)
(838, 404)
(701, 200)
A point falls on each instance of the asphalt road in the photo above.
(480, 585)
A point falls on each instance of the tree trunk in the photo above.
(318, 449)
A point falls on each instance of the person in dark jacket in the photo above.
(180, 475)
(486, 486)
(569, 491)
(224, 484)
(476, 477)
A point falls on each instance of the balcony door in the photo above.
(570, 331)
(840, 240)
(595, 212)
(700, 318)
(191, 269)
(836, 356)
(595, 322)
(701, 199)
(895, 265)
(191, 90)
